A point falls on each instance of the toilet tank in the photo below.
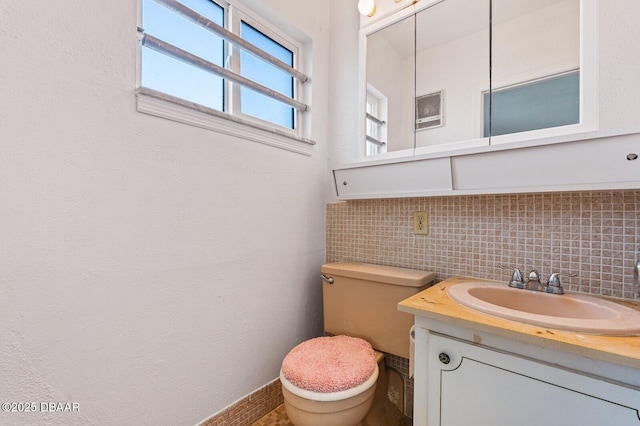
(362, 302)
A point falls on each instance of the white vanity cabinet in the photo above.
(471, 384)
(473, 368)
(469, 378)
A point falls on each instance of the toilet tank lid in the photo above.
(379, 273)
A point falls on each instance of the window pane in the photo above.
(176, 78)
(258, 105)
(159, 72)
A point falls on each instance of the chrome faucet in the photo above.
(553, 285)
(533, 282)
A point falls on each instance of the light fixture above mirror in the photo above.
(367, 7)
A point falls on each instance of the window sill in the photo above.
(161, 105)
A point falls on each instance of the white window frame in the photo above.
(375, 122)
(231, 121)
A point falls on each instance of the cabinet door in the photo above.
(384, 180)
(584, 163)
(474, 385)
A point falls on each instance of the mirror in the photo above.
(535, 55)
(467, 73)
(390, 88)
(452, 63)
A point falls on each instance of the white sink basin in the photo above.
(572, 312)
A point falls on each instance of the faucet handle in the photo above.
(516, 277)
(554, 280)
(553, 283)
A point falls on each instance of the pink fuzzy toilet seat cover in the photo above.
(329, 364)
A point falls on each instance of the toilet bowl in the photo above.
(330, 386)
(360, 302)
(346, 408)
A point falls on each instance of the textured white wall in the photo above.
(152, 272)
(619, 66)
(345, 105)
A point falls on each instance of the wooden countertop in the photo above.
(434, 303)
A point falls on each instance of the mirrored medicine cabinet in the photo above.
(453, 74)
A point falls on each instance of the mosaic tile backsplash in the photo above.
(250, 408)
(593, 234)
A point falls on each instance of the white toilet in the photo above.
(331, 381)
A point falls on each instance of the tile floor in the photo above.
(279, 418)
(275, 418)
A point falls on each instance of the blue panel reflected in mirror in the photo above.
(550, 102)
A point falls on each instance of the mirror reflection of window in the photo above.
(376, 122)
(535, 66)
(391, 71)
(552, 101)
